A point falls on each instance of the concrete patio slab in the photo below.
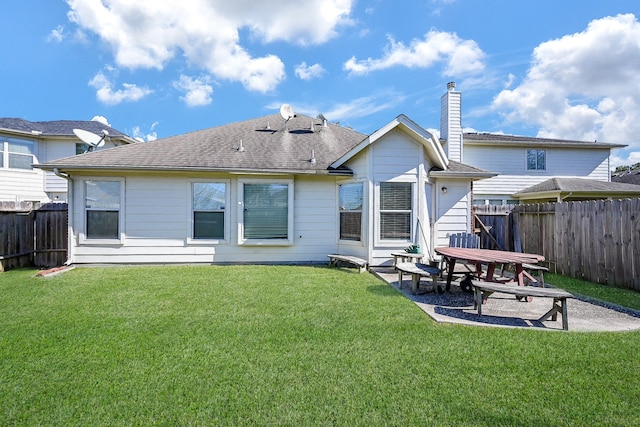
(504, 310)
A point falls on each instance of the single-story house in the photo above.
(266, 190)
(24, 143)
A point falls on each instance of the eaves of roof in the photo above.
(518, 141)
(461, 170)
(559, 187)
(577, 194)
(57, 129)
(68, 168)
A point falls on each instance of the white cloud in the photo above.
(107, 95)
(101, 119)
(583, 86)
(460, 56)
(197, 90)
(364, 106)
(56, 35)
(140, 136)
(150, 33)
(137, 134)
(309, 72)
(383, 100)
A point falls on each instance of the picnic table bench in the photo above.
(362, 264)
(404, 256)
(482, 290)
(417, 271)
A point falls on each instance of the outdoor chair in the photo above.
(462, 240)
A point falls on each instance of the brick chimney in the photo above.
(451, 123)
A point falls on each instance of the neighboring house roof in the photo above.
(58, 128)
(576, 188)
(513, 140)
(628, 177)
(265, 144)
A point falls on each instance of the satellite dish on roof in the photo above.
(286, 111)
(90, 138)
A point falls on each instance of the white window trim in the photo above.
(526, 160)
(378, 230)
(4, 153)
(289, 241)
(82, 235)
(363, 221)
(227, 215)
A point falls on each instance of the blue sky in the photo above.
(152, 69)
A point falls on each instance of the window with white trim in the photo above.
(267, 214)
(17, 153)
(395, 210)
(102, 202)
(350, 205)
(209, 200)
(536, 160)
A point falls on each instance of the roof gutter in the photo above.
(190, 169)
(63, 175)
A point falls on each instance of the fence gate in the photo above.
(50, 229)
(33, 235)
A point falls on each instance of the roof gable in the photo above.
(433, 149)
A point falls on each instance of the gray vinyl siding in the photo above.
(453, 210)
(22, 185)
(156, 225)
(510, 164)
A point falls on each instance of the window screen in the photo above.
(350, 205)
(266, 211)
(395, 210)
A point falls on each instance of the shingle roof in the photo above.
(460, 170)
(267, 146)
(499, 139)
(57, 127)
(580, 185)
(630, 177)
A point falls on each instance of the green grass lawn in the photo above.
(624, 297)
(277, 345)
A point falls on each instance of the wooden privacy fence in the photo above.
(33, 235)
(495, 226)
(596, 240)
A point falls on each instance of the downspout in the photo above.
(63, 175)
